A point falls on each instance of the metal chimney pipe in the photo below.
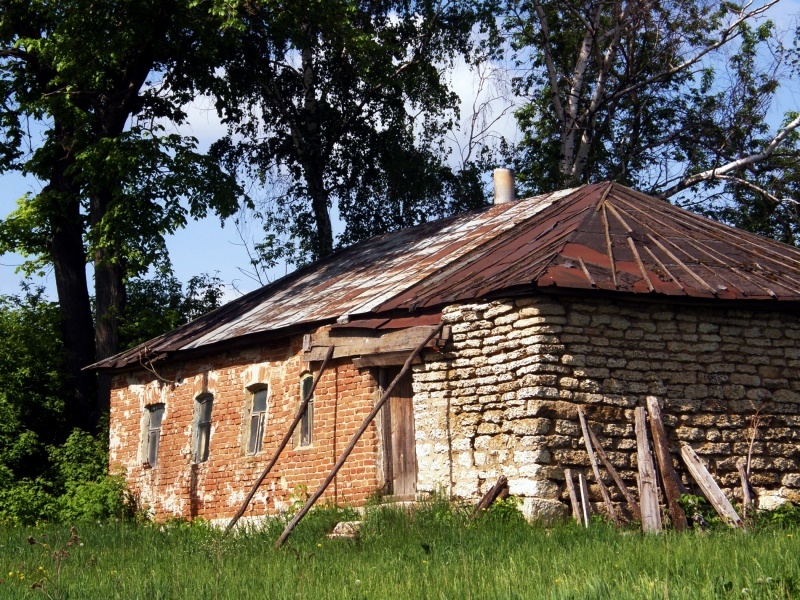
(503, 186)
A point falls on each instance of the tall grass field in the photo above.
(433, 552)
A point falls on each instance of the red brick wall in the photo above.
(216, 488)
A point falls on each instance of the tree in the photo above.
(32, 399)
(77, 74)
(628, 91)
(342, 105)
(160, 304)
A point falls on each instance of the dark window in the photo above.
(307, 422)
(155, 414)
(204, 404)
(258, 415)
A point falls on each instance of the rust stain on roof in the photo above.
(602, 237)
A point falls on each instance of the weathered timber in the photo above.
(297, 418)
(573, 497)
(494, 492)
(609, 507)
(370, 342)
(669, 478)
(629, 498)
(709, 487)
(357, 436)
(648, 486)
(586, 508)
(387, 359)
(747, 495)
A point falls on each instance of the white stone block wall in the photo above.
(502, 398)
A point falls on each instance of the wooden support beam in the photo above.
(498, 490)
(648, 486)
(573, 497)
(586, 507)
(629, 498)
(357, 436)
(669, 477)
(709, 487)
(609, 507)
(371, 342)
(300, 412)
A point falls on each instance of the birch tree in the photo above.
(610, 84)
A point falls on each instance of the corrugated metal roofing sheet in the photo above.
(603, 236)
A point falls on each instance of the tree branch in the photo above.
(719, 172)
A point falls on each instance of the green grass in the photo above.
(433, 553)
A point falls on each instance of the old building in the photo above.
(595, 297)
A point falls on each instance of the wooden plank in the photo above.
(747, 496)
(609, 507)
(709, 487)
(498, 490)
(297, 418)
(389, 359)
(371, 342)
(648, 487)
(629, 498)
(586, 508)
(354, 440)
(573, 497)
(669, 477)
(404, 448)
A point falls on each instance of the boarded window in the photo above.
(258, 417)
(155, 414)
(307, 422)
(203, 406)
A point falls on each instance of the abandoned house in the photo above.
(595, 297)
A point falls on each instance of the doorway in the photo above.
(399, 445)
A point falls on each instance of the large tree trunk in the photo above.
(109, 285)
(69, 264)
(313, 159)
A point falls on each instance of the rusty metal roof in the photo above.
(598, 237)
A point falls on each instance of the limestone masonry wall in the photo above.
(502, 399)
(215, 489)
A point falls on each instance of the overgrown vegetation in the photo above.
(433, 552)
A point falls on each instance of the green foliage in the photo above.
(505, 510)
(653, 95)
(32, 398)
(160, 304)
(342, 106)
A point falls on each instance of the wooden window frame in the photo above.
(306, 438)
(152, 434)
(202, 428)
(254, 442)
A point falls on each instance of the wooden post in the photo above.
(284, 442)
(648, 487)
(668, 476)
(634, 506)
(747, 495)
(710, 488)
(573, 497)
(496, 491)
(585, 506)
(354, 440)
(595, 469)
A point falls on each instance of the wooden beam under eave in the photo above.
(372, 342)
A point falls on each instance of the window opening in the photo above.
(154, 417)
(258, 415)
(203, 431)
(307, 422)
